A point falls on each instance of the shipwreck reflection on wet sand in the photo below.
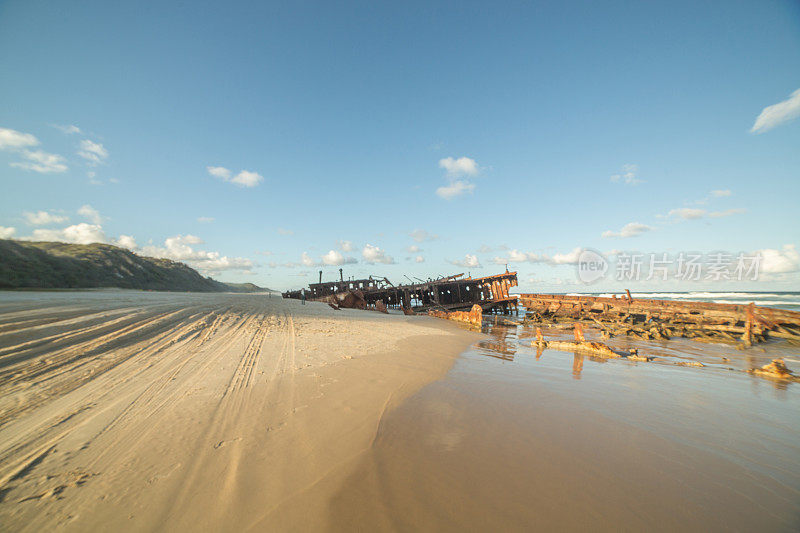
(516, 438)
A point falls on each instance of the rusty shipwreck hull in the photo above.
(455, 293)
(648, 318)
(450, 293)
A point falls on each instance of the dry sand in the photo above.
(122, 410)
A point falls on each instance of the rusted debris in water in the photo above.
(474, 316)
(664, 319)
(582, 345)
(587, 347)
(775, 370)
(579, 332)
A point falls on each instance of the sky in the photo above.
(264, 141)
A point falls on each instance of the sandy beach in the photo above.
(135, 411)
(124, 410)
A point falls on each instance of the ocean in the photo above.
(777, 299)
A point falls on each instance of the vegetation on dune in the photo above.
(56, 265)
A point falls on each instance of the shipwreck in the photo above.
(448, 293)
(466, 299)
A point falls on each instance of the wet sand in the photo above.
(123, 410)
(515, 440)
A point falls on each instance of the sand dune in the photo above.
(142, 411)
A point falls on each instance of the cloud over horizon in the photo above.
(373, 254)
(43, 218)
(469, 261)
(631, 229)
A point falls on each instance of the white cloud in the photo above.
(284, 231)
(687, 213)
(695, 213)
(569, 258)
(346, 246)
(219, 172)
(16, 140)
(419, 259)
(7, 232)
(728, 212)
(373, 254)
(628, 175)
(43, 162)
(777, 114)
(67, 129)
(485, 248)
(413, 249)
(420, 235)
(82, 233)
(306, 260)
(265, 253)
(334, 258)
(244, 178)
(91, 213)
(189, 239)
(126, 241)
(457, 168)
(204, 220)
(516, 256)
(94, 153)
(179, 248)
(455, 188)
(36, 160)
(780, 261)
(469, 261)
(463, 166)
(631, 229)
(43, 218)
(290, 264)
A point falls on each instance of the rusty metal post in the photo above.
(579, 332)
(747, 336)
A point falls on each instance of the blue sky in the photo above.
(479, 133)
